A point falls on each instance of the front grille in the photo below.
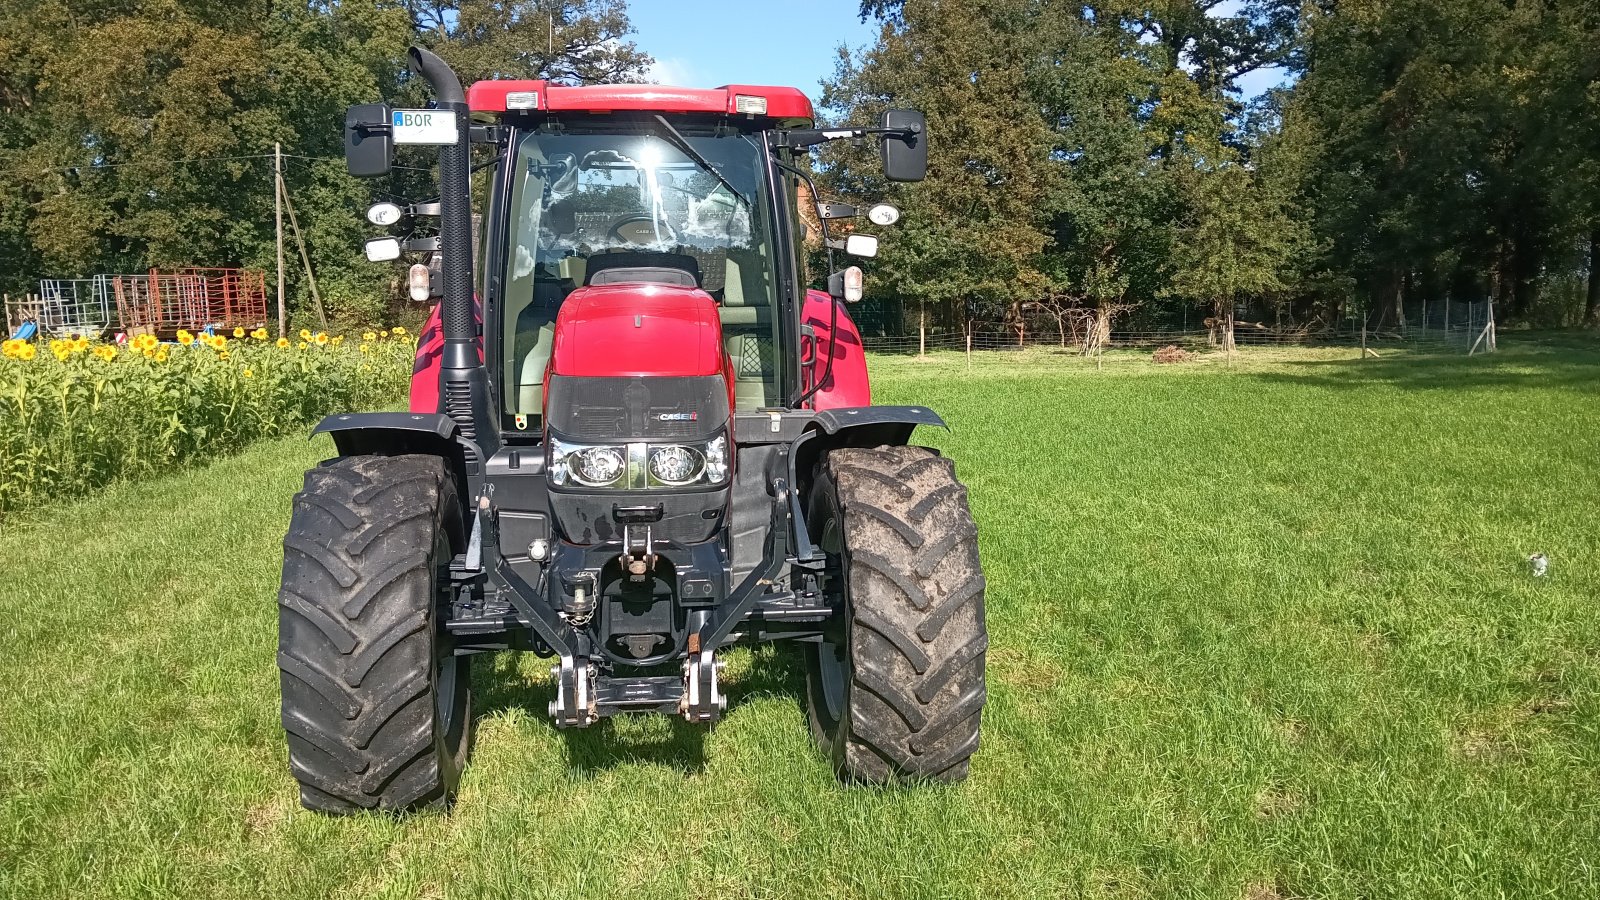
(595, 409)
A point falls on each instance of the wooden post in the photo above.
(300, 241)
(1493, 346)
(969, 345)
(277, 209)
(1363, 337)
(922, 329)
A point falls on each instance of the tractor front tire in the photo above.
(377, 707)
(898, 695)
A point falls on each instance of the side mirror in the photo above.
(368, 140)
(905, 157)
(861, 245)
(383, 249)
(883, 214)
(846, 284)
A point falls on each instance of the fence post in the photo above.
(969, 345)
(277, 213)
(922, 331)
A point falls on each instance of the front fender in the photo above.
(853, 426)
(389, 433)
(399, 434)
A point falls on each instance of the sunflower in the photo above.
(259, 334)
(249, 373)
(238, 331)
(369, 335)
(161, 355)
(184, 337)
(364, 347)
(106, 352)
(303, 345)
(222, 354)
(338, 339)
(283, 343)
(145, 342)
(25, 352)
(322, 339)
(305, 334)
(398, 330)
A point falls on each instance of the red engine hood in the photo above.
(637, 329)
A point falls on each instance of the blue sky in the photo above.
(703, 43)
(700, 43)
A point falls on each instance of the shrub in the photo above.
(1171, 353)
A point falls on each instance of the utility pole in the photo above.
(300, 241)
(277, 209)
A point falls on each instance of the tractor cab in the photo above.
(649, 442)
(595, 198)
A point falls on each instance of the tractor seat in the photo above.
(747, 336)
(623, 266)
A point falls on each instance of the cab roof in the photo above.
(785, 104)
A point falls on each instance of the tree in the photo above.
(972, 232)
(139, 135)
(1234, 242)
(567, 41)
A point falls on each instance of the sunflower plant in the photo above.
(77, 413)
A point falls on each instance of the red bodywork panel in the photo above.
(637, 329)
(430, 355)
(847, 383)
(679, 333)
(784, 103)
(640, 329)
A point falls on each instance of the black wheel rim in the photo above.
(832, 672)
(446, 665)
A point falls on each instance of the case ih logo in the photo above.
(678, 417)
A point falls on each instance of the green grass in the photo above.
(1261, 633)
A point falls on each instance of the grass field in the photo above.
(1260, 633)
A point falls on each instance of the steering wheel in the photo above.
(641, 231)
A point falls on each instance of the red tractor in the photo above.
(648, 444)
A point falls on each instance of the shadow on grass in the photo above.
(498, 684)
(1569, 362)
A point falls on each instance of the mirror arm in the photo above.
(811, 137)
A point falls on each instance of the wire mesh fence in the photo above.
(1452, 328)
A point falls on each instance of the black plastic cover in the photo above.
(586, 409)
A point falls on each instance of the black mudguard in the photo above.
(850, 426)
(391, 433)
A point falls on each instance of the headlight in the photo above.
(639, 465)
(602, 465)
(675, 464)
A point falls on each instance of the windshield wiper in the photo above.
(676, 138)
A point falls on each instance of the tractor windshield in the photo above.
(577, 195)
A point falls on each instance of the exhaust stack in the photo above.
(463, 382)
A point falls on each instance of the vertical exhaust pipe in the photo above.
(463, 382)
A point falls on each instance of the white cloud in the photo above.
(673, 71)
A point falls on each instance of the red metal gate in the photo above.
(191, 298)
